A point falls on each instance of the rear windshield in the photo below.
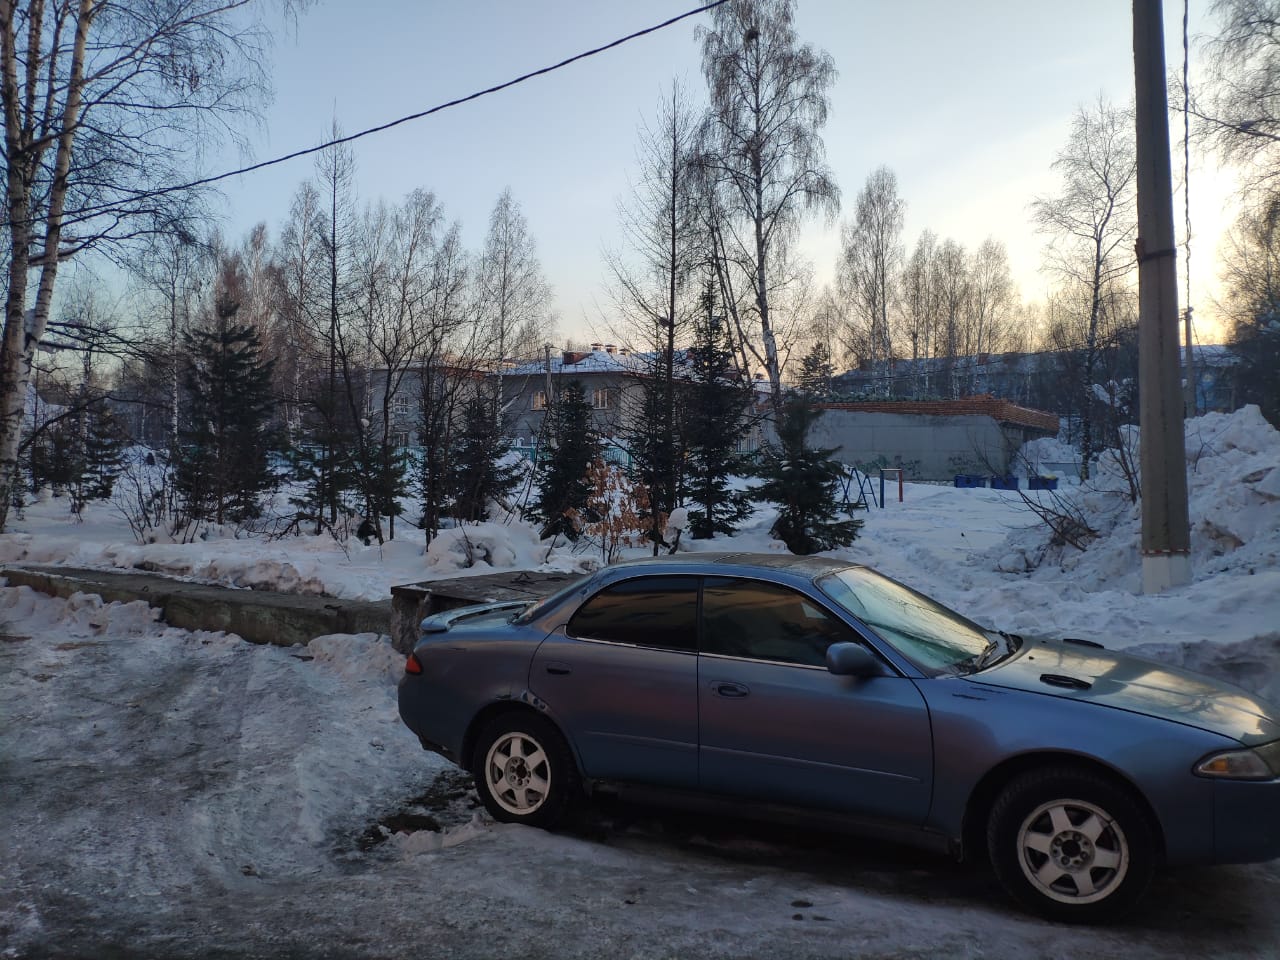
(548, 604)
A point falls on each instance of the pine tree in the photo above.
(804, 484)
(477, 473)
(222, 465)
(721, 399)
(563, 477)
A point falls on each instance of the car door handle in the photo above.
(728, 689)
(558, 669)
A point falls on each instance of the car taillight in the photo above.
(412, 665)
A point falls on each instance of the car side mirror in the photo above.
(852, 660)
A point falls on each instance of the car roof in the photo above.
(738, 561)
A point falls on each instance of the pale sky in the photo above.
(967, 103)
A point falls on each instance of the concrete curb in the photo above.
(283, 619)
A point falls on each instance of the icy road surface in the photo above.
(170, 795)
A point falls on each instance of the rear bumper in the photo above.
(413, 707)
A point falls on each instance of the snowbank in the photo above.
(1233, 472)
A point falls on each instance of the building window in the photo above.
(540, 400)
(600, 398)
(400, 439)
(400, 405)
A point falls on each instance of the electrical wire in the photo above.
(1186, 147)
(86, 212)
(1186, 191)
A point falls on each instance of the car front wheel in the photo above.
(1071, 845)
(524, 771)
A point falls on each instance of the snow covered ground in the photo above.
(166, 793)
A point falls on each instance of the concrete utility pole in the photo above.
(1166, 534)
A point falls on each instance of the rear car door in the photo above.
(776, 725)
(622, 681)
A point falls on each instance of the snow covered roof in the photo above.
(570, 362)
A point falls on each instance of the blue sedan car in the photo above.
(780, 684)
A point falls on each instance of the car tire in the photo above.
(524, 770)
(1071, 845)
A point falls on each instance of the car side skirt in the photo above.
(887, 830)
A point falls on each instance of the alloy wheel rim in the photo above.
(517, 773)
(1072, 851)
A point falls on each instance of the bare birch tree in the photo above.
(450, 366)
(991, 298)
(762, 153)
(1091, 223)
(1238, 104)
(300, 258)
(655, 285)
(952, 281)
(102, 105)
(870, 263)
(920, 307)
(515, 298)
(394, 270)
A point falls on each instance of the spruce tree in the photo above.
(804, 483)
(82, 454)
(572, 446)
(720, 400)
(322, 462)
(656, 444)
(55, 457)
(385, 479)
(222, 464)
(104, 439)
(477, 473)
(815, 372)
(1255, 345)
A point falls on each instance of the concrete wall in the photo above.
(927, 447)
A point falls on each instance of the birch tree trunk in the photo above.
(145, 77)
(26, 138)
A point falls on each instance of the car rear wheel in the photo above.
(524, 771)
(1071, 845)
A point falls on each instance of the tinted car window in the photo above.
(749, 618)
(646, 611)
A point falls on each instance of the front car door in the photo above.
(622, 681)
(776, 725)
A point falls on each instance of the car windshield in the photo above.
(932, 637)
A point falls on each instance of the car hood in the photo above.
(1085, 672)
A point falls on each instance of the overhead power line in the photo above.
(86, 212)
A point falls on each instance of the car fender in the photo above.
(980, 728)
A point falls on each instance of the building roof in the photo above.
(1002, 411)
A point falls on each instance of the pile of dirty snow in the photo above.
(1233, 474)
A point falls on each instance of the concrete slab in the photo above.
(258, 616)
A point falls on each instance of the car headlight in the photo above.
(1254, 763)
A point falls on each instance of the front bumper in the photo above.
(1246, 821)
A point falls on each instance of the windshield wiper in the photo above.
(979, 660)
(999, 647)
